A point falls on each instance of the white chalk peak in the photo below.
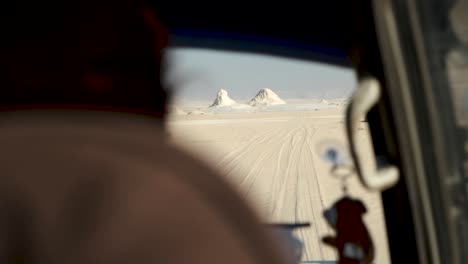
(222, 99)
(266, 97)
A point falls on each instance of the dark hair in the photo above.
(103, 54)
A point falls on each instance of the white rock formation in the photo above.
(266, 97)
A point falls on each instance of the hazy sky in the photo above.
(198, 74)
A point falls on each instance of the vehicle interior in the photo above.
(416, 55)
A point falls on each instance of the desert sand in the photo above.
(274, 159)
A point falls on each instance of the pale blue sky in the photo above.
(198, 74)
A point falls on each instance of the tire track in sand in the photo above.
(232, 161)
(258, 161)
(272, 151)
(245, 147)
(291, 165)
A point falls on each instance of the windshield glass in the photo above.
(267, 124)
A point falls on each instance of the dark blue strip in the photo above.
(199, 33)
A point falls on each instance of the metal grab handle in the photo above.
(365, 97)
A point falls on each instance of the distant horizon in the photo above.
(198, 74)
(210, 99)
(180, 102)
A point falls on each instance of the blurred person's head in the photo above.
(85, 54)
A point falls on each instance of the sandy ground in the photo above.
(275, 161)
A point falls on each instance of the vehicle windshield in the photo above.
(270, 124)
